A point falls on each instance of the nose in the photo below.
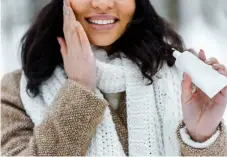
(103, 5)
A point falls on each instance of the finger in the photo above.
(65, 9)
(219, 67)
(66, 17)
(186, 88)
(194, 88)
(212, 61)
(85, 44)
(80, 32)
(224, 92)
(70, 29)
(63, 46)
(69, 16)
(67, 3)
(202, 55)
(74, 28)
(223, 72)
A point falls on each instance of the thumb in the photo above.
(63, 46)
(186, 88)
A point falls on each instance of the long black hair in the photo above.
(148, 42)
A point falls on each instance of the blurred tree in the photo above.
(173, 12)
(168, 9)
(16, 16)
(215, 14)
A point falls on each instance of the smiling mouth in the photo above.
(102, 22)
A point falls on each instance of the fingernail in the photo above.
(216, 65)
(184, 76)
(65, 3)
(194, 88)
(221, 71)
(66, 10)
(76, 24)
(208, 60)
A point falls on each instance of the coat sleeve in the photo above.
(218, 146)
(66, 131)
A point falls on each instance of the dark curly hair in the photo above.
(148, 42)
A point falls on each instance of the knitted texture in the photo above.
(66, 130)
(69, 126)
(218, 148)
(120, 119)
(151, 110)
(147, 112)
(110, 72)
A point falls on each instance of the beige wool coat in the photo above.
(70, 124)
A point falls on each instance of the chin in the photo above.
(102, 42)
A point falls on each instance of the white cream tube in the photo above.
(210, 81)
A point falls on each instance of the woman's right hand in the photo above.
(78, 58)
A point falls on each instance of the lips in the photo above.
(102, 22)
(102, 17)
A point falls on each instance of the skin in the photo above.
(202, 115)
(122, 9)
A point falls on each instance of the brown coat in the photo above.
(70, 124)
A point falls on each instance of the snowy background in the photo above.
(202, 24)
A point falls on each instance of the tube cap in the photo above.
(176, 54)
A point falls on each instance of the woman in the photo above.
(120, 96)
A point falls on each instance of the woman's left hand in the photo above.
(202, 115)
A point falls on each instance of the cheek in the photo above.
(80, 7)
(126, 9)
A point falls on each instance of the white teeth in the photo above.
(102, 22)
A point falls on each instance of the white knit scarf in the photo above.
(153, 112)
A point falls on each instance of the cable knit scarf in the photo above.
(153, 112)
